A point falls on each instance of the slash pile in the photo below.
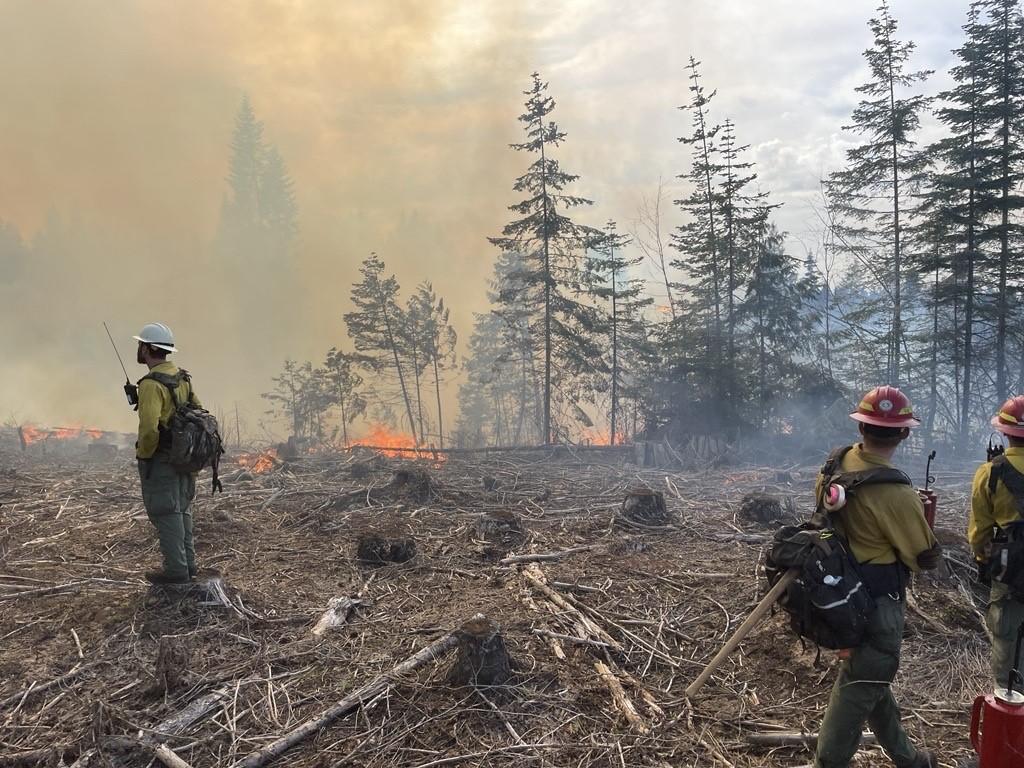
(605, 624)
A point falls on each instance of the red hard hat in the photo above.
(885, 407)
(1010, 419)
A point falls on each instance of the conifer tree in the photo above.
(376, 328)
(743, 213)
(1000, 83)
(610, 283)
(551, 245)
(698, 239)
(959, 196)
(871, 195)
(436, 339)
(345, 385)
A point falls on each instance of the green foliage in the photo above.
(545, 290)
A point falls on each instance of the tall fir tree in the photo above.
(697, 239)
(551, 244)
(960, 194)
(873, 195)
(1000, 82)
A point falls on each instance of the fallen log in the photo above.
(350, 703)
(195, 711)
(536, 577)
(796, 739)
(733, 642)
(622, 701)
(543, 556)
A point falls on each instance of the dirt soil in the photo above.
(74, 541)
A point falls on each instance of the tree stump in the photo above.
(482, 656)
(414, 482)
(377, 550)
(500, 526)
(172, 658)
(645, 507)
(762, 508)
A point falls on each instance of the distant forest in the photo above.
(915, 281)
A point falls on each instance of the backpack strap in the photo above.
(1012, 478)
(171, 382)
(851, 481)
(835, 460)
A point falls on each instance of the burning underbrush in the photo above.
(605, 619)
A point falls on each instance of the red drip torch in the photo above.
(997, 722)
(931, 501)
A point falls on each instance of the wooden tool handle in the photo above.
(744, 629)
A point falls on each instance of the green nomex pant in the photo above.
(168, 496)
(862, 694)
(1003, 619)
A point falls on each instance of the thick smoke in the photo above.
(393, 119)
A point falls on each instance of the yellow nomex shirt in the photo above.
(881, 522)
(988, 509)
(156, 408)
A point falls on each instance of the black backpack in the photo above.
(829, 602)
(1007, 560)
(192, 437)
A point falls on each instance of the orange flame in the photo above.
(380, 436)
(33, 434)
(601, 437)
(396, 444)
(259, 463)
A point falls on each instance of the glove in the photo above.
(930, 558)
(984, 572)
(132, 392)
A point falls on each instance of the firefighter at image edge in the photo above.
(888, 535)
(997, 498)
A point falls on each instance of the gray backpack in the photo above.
(192, 437)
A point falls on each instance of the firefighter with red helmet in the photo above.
(994, 532)
(885, 528)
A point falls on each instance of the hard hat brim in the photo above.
(896, 423)
(1006, 429)
(167, 347)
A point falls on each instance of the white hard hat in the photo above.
(157, 335)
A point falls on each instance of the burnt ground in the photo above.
(74, 541)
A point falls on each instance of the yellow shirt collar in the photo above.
(870, 458)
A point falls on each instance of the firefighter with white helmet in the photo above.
(996, 533)
(157, 335)
(166, 492)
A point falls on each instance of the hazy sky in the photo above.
(393, 118)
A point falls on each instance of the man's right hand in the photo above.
(132, 392)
